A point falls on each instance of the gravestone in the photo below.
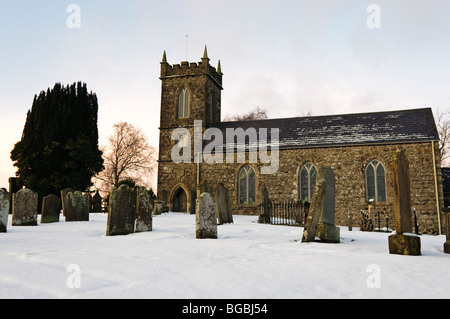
(5, 203)
(97, 203)
(403, 242)
(121, 211)
(51, 207)
(264, 215)
(64, 193)
(315, 208)
(77, 205)
(25, 207)
(224, 214)
(205, 215)
(327, 231)
(158, 206)
(14, 186)
(144, 211)
(447, 224)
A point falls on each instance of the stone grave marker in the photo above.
(264, 214)
(327, 231)
(403, 242)
(144, 211)
(315, 208)
(97, 203)
(121, 211)
(77, 207)
(64, 193)
(25, 206)
(206, 220)
(5, 203)
(447, 224)
(224, 214)
(51, 207)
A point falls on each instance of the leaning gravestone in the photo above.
(327, 231)
(316, 208)
(144, 211)
(403, 242)
(224, 214)
(64, 193)
(51, 207)
(25, 206)
(121, 211)
(206, 220)
(447, 243)
(77, 205)
(4, 209)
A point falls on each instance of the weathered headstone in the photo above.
(327, 231)
(121, 211)
(447, 224)
(158, 207)
(403, 242)
(64, 193)
(25, 207)
(144, 211)
(5, 203)
(224, 215)
(315, 208)
(77, 207)
(97, 203)
(264, 215)
(51, 207)
(206, 220)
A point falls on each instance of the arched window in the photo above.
(247, 186)
(183, 104)
(307, 181)
(375, 181)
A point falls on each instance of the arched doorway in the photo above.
(179, 203)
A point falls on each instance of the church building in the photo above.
(359, 148)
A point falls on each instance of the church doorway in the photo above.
(179, 203)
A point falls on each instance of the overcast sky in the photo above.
(288, 57)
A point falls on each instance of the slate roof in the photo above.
(404, 126)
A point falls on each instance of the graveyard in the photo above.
(247, 260)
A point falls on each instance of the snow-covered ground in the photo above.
(248, 260)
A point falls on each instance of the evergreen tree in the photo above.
(59, 145)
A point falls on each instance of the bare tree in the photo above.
(128, 155)
(443, 127)
(256, 114)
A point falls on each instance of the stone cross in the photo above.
(121, 211)
(403, 242)
(205, 216)
(25, 206)
(144, 211)
(51, 207)
(224, 214)
(4, 209)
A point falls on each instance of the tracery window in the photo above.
(247, 186)
(375, 181)
(307, 181)
(183, 104)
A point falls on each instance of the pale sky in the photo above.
(288, 57)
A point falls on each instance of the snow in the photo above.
(248, 260)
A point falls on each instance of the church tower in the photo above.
(190, 92)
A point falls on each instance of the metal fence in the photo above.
(284, 212)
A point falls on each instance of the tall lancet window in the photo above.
(247, 186)
(375, 181)
(183, 104)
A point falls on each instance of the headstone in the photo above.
(144, 211)
(64, 193)
(315, 208)
(447, 224)
(327, 231)
(158, 207)
(4, 209)
(264, 215)
(206, 220)
(403, 242)
(14, 187)
(97, 203)
(51, 207)
(77, 207)
(121, 211)
(25, 207)
(224, 214)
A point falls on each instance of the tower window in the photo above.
(183, 104)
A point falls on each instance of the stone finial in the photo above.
(205, 54)
(219, 69)
(164, 60)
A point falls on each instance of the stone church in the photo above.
(358, 147)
